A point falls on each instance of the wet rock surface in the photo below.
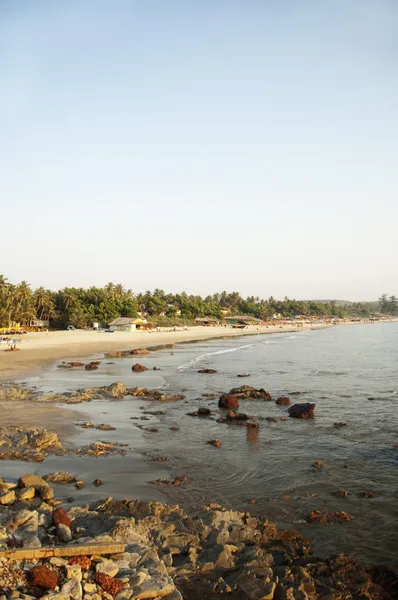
(167, 553)
(302, 411)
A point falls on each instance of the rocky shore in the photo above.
(148, 550)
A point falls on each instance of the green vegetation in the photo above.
(81, 307)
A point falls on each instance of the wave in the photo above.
(196, 360)
(330, 373)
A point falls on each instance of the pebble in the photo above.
(90, 588)
(73, 588)
(108, 567)
(64, 533)
(74, 571)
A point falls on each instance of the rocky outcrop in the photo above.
(302, 411)
(137, 368)
(139, 351)
(250, 393)
(228, 401)
(212, 552)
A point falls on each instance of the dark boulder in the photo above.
(244, 375)
(203, 412)
(283, 401)
(302, 411)
(207, 371)
(137, 368)
(228, 401)
(235, 416)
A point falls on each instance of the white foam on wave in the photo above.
(194, 361)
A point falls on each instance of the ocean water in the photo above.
(349, 372)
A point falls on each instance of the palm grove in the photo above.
(80, 307)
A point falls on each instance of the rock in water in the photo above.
(283, 401)
(207, 371)
(203, 411)
(228, 401)
(139, 351)
(137, 368)
(302, 411)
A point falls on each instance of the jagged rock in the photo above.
(108, 567)
(73, 589)
(26, 494)
(109, 584)
(61, 516)
(302, 411)
(60, 477)
(73, 571)
(39, 484)
(7, 497)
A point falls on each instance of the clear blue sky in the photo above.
(201, 145)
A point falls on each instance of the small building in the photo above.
(39, 323)
(206, 321)
(127, 323)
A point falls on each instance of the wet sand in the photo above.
(39, 350)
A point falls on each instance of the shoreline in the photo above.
(39, 351)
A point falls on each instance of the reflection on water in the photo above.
(351, 375)
(252, 438)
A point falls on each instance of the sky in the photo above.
(201, 145)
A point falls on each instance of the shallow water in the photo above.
(351, 375)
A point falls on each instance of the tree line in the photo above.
(81, 307)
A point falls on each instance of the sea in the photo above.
(349, 372)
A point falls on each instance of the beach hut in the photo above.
(127, 323)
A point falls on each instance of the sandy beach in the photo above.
(39, 350)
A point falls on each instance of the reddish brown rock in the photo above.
(228, 401)
(109, 584)
(43, 577)
(207, 371)
(76, 364)
(215, 443)
(91, 367)
(137, 368)
(83, 561)
(252, 425)
(61, 516)
(302, 411)
(283, 401)
(328, 518)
